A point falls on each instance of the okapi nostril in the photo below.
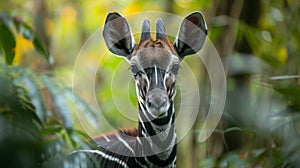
(164, 103)
(149, 104)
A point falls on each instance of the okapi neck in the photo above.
(158, 141)
(158, 126)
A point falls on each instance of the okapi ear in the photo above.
(117, 35)
(191, 35)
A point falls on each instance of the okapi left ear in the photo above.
(117, 35)
(191, 35)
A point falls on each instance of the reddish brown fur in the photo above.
(149, 53)
(156, 43)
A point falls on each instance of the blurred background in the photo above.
(258, 42)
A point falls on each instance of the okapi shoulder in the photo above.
(118, 140)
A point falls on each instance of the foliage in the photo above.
(36, 120)
(263, 96)
(12, 28)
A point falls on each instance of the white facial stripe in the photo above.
(165, 79)
(155, 71)
(138, 96)
(145, 77)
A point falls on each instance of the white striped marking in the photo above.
(155, 71)
(138, 139)
(104, 155)
(106, 138)
(125, 143)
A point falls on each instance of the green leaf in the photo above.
(84, 135)
(51, 131)
(41, 49)
(292, 93)
(32, 36)
(35, 95)
(16, 106)
(82, 106)
(60, 102)
(7, 39)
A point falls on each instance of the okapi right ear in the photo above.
(191, 35)
(117, 35)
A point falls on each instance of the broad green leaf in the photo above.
(60, 102)
(24, 100)
(15, 103)
(7, 39)
(41, 49)
(35, 95)
(82, 106)
(32, 36)
(292, 92)
(82, 134)
(51, 131)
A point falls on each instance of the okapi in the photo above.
(154, 65)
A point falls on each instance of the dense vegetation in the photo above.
(257, 40)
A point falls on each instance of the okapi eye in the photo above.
(175, 68)
(135, 75)
(134, 69)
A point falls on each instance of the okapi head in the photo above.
(155, 63)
